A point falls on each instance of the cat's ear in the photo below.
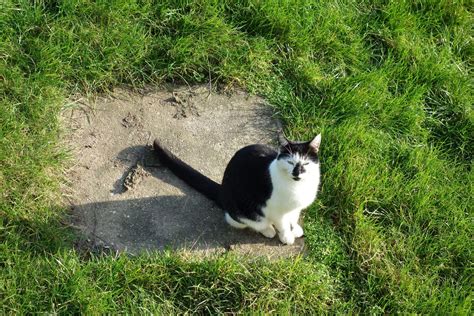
(315, 143)
(282, 139)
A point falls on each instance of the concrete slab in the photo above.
(122, 198)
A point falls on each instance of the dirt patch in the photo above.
(132, 120)
(120, 195)
(133, 178)
(184, 105)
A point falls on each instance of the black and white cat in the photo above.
(262, 188)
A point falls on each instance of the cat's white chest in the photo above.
(289, 195)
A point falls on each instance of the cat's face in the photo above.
(299, 160)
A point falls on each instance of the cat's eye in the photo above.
(306, 163)
(290, 162)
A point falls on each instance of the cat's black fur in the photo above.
(246, 185)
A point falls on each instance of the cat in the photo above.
(262, 188)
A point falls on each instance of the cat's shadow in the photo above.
(160, 221)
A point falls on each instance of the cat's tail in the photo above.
(188, 174)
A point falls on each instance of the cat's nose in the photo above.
(297, 170)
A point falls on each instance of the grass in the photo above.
(389, 84)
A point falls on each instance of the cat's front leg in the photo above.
(295, 227)
(284, 231)
(297, 231)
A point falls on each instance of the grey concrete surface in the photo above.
(120, 196)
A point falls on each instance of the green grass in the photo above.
(389, 84)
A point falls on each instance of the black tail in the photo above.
(188, 174)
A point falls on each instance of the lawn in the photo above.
(387, 83)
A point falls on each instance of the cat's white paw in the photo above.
(287, 237)
(268, 232)
(297, 231)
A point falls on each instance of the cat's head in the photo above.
(299, 160)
